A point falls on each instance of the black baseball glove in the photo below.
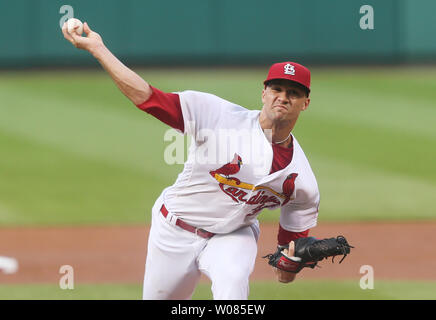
(308, 251)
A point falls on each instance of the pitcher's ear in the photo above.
(306, 104)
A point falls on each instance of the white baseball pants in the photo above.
(176, 258)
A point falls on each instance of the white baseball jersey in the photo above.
(226, 180)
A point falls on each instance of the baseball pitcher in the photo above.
(240, 162)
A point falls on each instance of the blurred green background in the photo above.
(75, 151)
(218, 32)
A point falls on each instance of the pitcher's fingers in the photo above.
(86, 28)
(76, 38)
(291, 249)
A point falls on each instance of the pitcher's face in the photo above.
(284, 100)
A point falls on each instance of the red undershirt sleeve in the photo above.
(285, 236)
(165, 107)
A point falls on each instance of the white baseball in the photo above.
(72, 23)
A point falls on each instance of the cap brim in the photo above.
(295, 82)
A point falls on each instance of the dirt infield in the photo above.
(117, 254)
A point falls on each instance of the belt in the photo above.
(185, 226)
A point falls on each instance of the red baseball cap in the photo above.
(290, 71)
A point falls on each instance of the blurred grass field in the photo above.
(74, 150)
(259, 290)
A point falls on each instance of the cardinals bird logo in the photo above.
(230, 168)
(238, 191)
(289, 187)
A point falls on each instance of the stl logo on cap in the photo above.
(289, 69)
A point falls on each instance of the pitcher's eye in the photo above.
(294, 93)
